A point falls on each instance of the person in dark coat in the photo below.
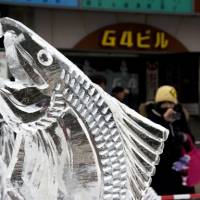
(119, 93)
(167, 112)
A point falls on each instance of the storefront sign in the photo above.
(151, 6)
(131, 36)
(130, 39)
(144, 6)
(47, 3)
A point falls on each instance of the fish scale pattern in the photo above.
(91, 108)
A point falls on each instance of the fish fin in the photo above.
(143, 142)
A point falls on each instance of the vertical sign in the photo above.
(151, 80)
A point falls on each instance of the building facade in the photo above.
(134, 50)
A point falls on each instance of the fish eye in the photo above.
(44, 57)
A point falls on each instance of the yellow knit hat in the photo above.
(166, 93)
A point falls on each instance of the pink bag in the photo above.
(193, 174)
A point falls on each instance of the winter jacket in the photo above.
(167, 181)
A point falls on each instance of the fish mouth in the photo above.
(24, 76)
(21, 64)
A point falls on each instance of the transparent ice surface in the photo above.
(62, 137)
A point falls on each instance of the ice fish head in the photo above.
(31, 60)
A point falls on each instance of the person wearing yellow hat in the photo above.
(168, 112)
(166, 93)
(166, 99)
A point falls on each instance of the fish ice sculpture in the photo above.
(63, 137)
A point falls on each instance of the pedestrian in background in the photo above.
(167, 112)
(120, 93)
